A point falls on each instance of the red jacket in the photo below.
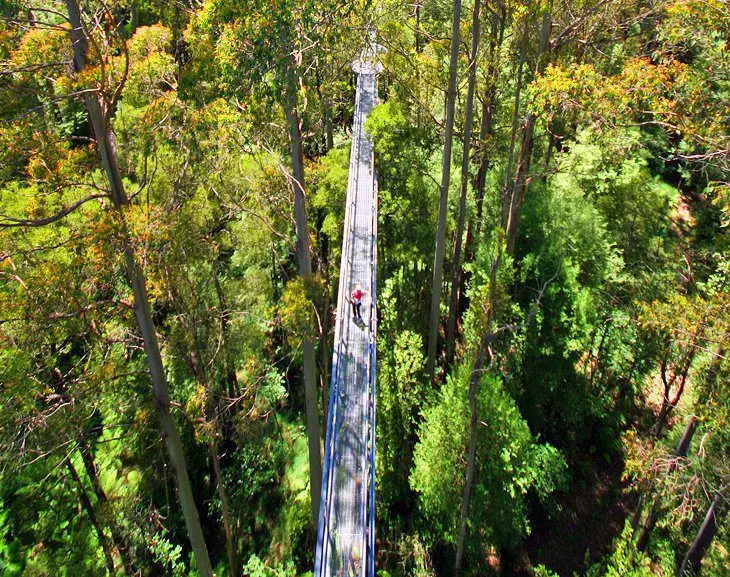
(356, 296)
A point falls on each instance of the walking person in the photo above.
(356, 300)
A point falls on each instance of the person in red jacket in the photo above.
(356, 300)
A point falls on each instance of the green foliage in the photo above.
(510, 464)
(402, 393)
(406, 199)
(255, 567)
(168, 555)
(330, 179)
(624, 560)
(623, 240)
(297, 314)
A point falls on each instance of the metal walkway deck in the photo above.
(346, 531)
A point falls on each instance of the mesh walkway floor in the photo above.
(345, 541)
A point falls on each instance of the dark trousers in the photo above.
(356, 310)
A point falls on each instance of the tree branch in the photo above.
(10, 222)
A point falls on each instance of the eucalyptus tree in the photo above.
(100, 65)
(438, 260)
(466, 150)
(263, 57)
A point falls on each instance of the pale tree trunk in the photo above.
(476, 375)
(523, 165)
(86, 504)
(438, 264)
(466, 149)
(693, 559)
(305, 270)
(680, 451)
(106, 145)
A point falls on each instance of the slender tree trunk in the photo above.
(106, 145)
(230, 365)
(466, 149)
(680, 451)
(523, 166)
(305, 270)
(324, 343)
(667, 403)
(86, 504)
(213, 416)
(476, 375)
(443, 201)
(693, 559)
(118, 540)
(481, 180)
(486, 130)
(504, 209)
(225, 509)
(658, 427)
(326, 113)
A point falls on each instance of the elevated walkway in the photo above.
(346, 531)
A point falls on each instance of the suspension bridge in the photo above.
(346, 528)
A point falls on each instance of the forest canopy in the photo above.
(553, 272)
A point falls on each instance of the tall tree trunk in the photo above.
(523, 166)
(504, 208)
(326, 113)
(693, 559)
(486, 129)
(324, 342)
(305, 270)
(230, 365)
(86, 504)
(213, 416)
(680, 451)
(475, 376)
(417, 31)
(106, 145)
(466, 149)
(118, 540)
(225, 509)
(438, 264)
